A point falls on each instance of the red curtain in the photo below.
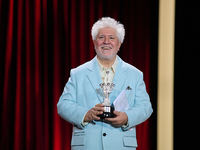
(40, 41)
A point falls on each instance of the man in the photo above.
(81, 101)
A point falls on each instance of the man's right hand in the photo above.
(93, 112)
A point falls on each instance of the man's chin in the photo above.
(107, 57)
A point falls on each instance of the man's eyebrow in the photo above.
(105, 35)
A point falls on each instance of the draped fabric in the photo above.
(40, 41)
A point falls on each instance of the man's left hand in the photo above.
(120, 119)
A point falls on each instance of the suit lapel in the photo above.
(95, 78)
(119, 79)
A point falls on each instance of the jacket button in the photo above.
(104, 134)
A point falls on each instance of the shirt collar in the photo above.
(113, 67)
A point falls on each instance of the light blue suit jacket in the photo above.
(82, 92)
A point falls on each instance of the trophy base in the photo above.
(108, 112)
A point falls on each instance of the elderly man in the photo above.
(81, 102)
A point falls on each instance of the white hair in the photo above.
(108, 22)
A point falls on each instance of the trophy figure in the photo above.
(108, 109)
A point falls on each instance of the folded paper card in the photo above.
(121, 102)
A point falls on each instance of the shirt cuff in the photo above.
(84, 123)
(125, 125)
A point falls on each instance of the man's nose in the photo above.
(106, 40)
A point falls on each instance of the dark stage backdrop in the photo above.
(40, 41)
(187, 75)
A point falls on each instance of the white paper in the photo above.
(121, 102)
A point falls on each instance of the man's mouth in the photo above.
(106, 47)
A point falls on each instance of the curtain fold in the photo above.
(40, 42)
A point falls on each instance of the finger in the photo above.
(117, 113)
(98, 108)
(111, 119)
(99, 105)
(96, 118)
(95, 115)
(97, 112)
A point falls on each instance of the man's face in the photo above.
(107, 44)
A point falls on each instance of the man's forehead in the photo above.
(107, 29)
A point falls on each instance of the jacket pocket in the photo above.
(130, 141)
(78, 137)
(78, 140)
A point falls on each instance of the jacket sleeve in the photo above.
(142, 108)
(67, 106)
